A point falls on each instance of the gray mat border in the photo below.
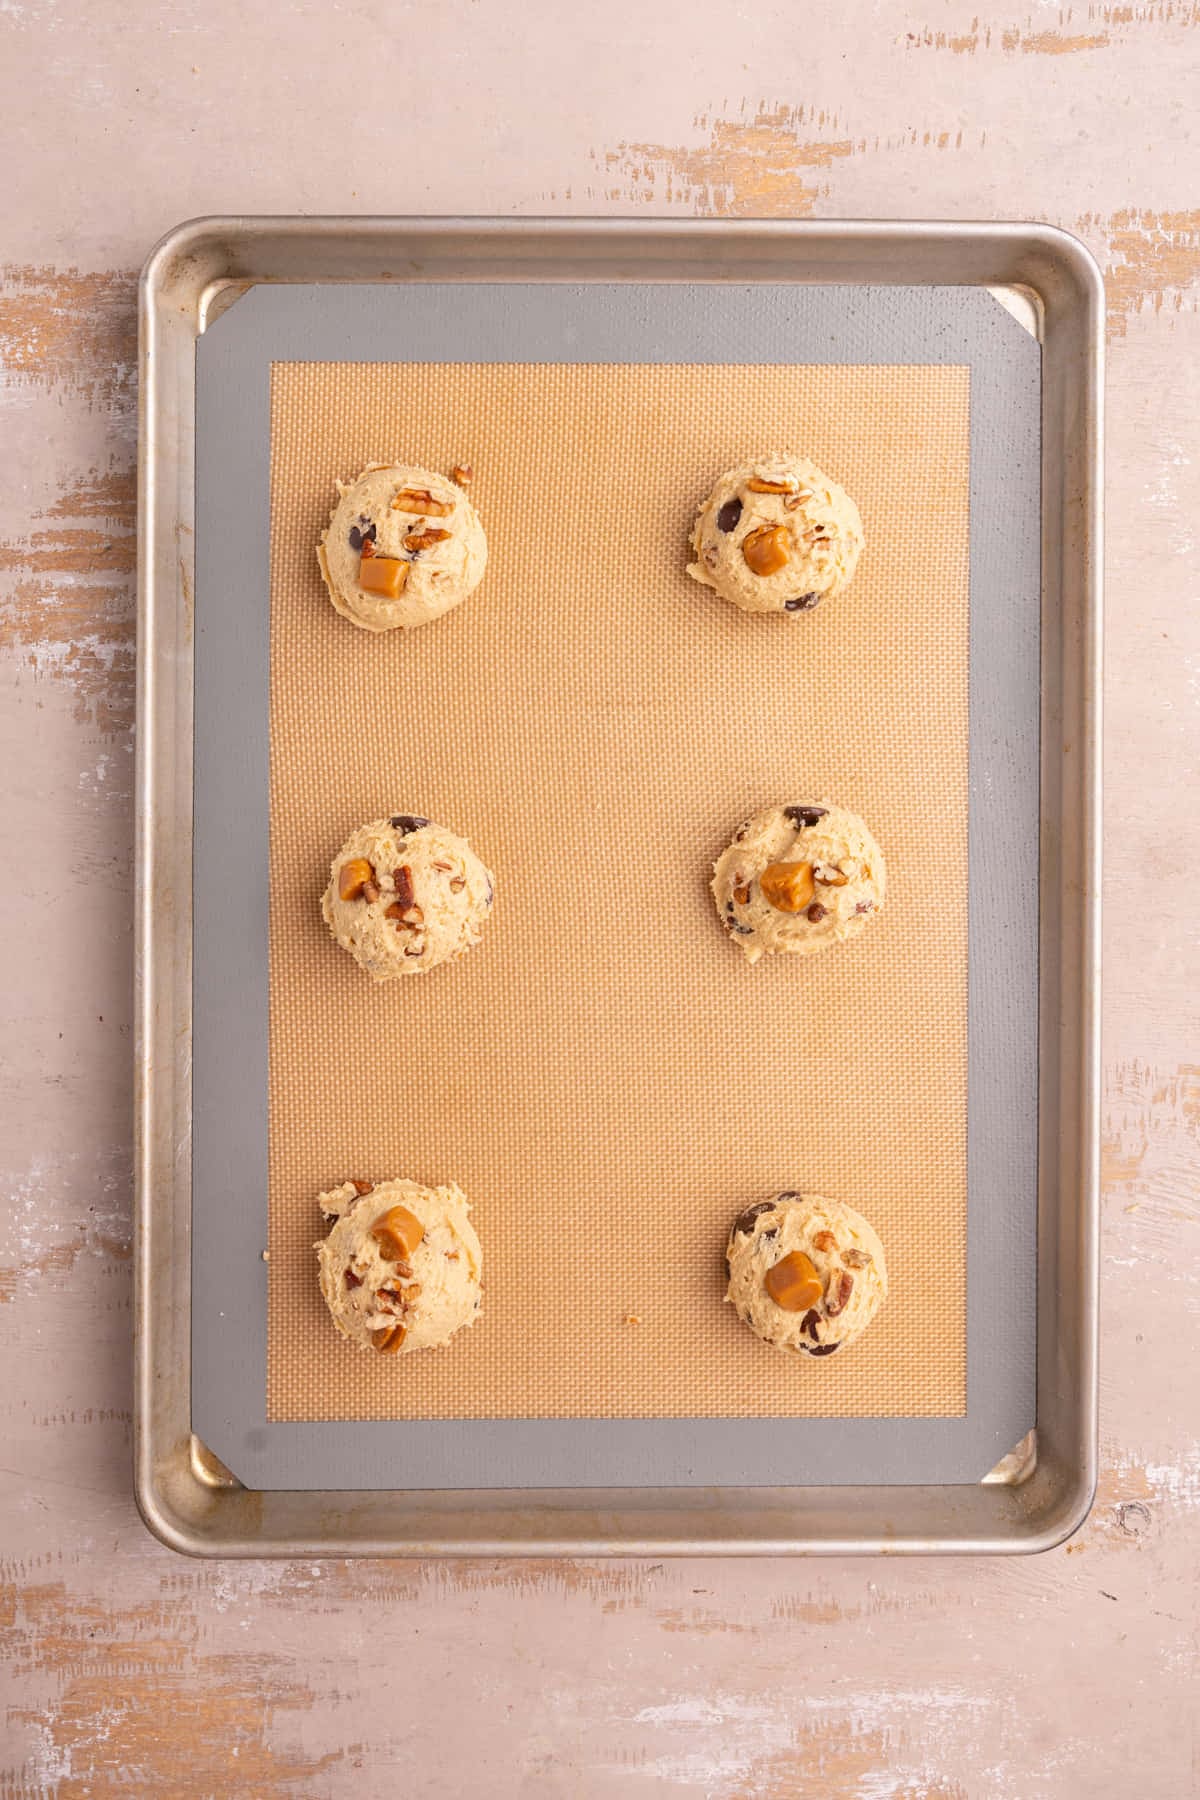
(620, 322)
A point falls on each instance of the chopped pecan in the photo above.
(402, 877)
(837, 1295)
(758, 485)
(389, 1338)
(353, 1280)
(857, 1259)
(824, 1240)
(363, 1187)
(425, 540)
(420, 500)
(461, 473)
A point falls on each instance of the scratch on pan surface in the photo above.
(87, 1197)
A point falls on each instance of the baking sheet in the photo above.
(427, 1453)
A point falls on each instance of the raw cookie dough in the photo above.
(423, 533)
(805, 1274)
(400, 1269)
(799, 878)
(779, 550)
(405, 895)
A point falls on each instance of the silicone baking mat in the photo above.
(605, 1076)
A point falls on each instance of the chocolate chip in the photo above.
(804, 816)
(745, 1220)
(729, 515)
(809, 1323)
(407, 822)
(764, 1237)
(353, 1280)
(491, 894)
(742, 930)
(815, 913)
(790, 1195)
(822, 1349)
(365, 530)
(804, 603)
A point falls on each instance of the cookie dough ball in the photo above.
(402, 546)
(405, 895)
(400, 1269)
(777, 536)
(805, 1274)
(799, 878)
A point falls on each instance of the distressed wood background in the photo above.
(127, 1670)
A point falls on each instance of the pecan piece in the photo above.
(402, 877)
(824, 1240)
(420, 500)
(758, 485)
(461, 474)
(857, 1259)
(389, 1338)
(837, 1295)
(425, 540)
(353, 1280)
(363, 1187)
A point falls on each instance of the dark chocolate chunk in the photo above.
(815, 913)
(809, 1323)
(790, 1195)
(804, 816)
(407, 822)
(729, 514)
(803, 603)
(366, 531)
(745, 1220)
(822, 1349)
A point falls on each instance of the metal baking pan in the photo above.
(1040, 1490)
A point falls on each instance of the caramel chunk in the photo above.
(384, 575)
(420, 500)
(353, 877)
(767, 549)
(389, 1338)
(793, 1282)
(397, 1233)
(788, 887)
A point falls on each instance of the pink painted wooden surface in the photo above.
(127, 1670)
